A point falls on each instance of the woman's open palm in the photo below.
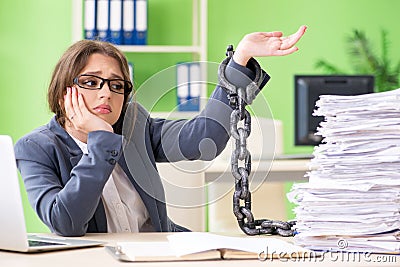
(261, 44)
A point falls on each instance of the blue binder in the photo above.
(116, 22)
(194, 86)
(90, 19)
(102, 21)
(141, 22)
(128, 22)
(188, 79)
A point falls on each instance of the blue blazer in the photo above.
(64, 185)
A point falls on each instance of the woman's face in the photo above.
(103, 103)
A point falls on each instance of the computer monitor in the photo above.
(308, 88)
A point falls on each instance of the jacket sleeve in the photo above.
(63, 190)
(205, 136)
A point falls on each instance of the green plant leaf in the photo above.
(327, 67)
(364, 60)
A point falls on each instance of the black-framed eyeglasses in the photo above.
(93, 82)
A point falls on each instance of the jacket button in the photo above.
(112, 161)
(114, 153)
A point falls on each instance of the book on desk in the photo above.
(194, 246)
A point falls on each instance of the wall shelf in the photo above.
(199, 32)
(198, 47)
(159, 49)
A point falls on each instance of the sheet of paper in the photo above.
(192, 242)
(146, 249)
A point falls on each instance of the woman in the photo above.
(83, 173)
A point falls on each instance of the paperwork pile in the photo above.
(352, 199)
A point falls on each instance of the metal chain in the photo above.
(238, 99)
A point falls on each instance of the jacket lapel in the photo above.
(140, 180)
(142, 172)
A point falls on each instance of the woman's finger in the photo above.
(272, 34)
(292, 39)
(82, 106)
(284, 52)
(75, 104)
(69, 110)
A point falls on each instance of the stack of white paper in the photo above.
(352, 199)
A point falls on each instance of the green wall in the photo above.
(328, 23)
(35, 33)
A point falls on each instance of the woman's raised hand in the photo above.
(262, 44)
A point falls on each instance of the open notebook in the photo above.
(192, 246)
(13, 235)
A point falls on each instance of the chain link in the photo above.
(238, 99)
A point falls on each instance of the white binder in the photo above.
(90, 19)
(102, 19)
(128, 22)
(141, 22)
(116, 21)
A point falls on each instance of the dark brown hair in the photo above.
(71, 64)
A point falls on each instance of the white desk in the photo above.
(199, 194)
(99, 257)
(272, 170)
(267, 184)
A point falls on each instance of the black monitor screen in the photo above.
(308, 88)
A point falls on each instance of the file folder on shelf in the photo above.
(131, 71)
(90, 19)
(116, 22)
(141, 22)
(128, 22)
(122, 22)
(131, 76)
(102, 22)
(188, 86)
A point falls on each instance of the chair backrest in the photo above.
(265, 140)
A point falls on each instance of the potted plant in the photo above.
(363, 60)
